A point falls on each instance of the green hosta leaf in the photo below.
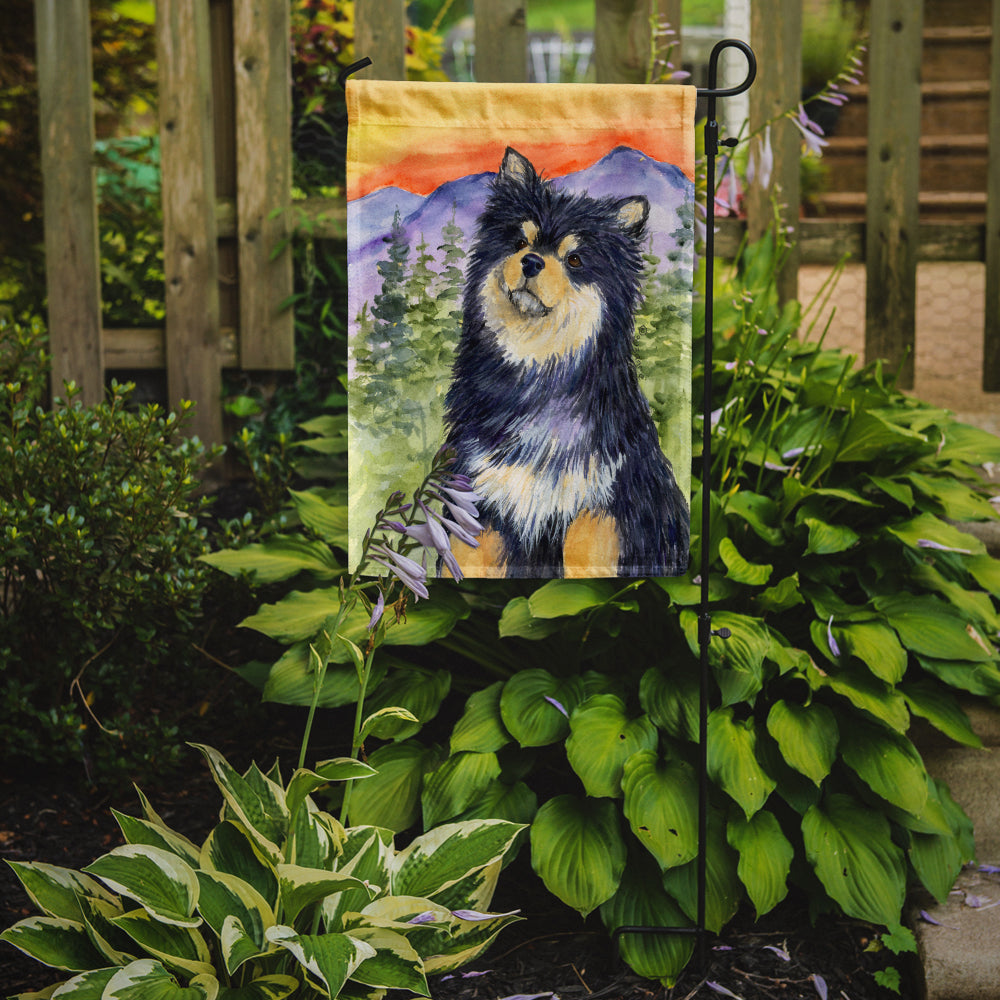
(876, 646)
(578, 851)
(260, 809)
(301, 887)
(481, 728)
(225, 897)
(976, 605)
(279, 558)
(760, 512)
(941, 709)
(765, 858)
(661, 798)
(671, 699)
(986, 571)
(180, 948)
(684, 592)
(230, 849)
(54, 941)
(865, 692)
(850, 847)
(641, 901)
(965, 443)
(807, 736)
(391, 798)
(928, 528)
(441, 857)
(893, 488)
(976, 678)
(395, 964)
(931, 628)
(291, 680)
(783, 595)
(559, 598)
(415, 689)
(330, 959)
(147, 979)
(870, 436)
(517, 620)
(732, 760)
(738, 661)
(888, 763)
(275, 987)
(56, 891)
(602, 738)
(937, 858)
(325, 519)
(456, 784)
(141, 831)
(741, 571)
(159, 881)
(515, 803)
(530, 706)
(723, 889)
(957, 501)
(828, 539)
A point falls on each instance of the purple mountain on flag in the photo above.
(621, 173)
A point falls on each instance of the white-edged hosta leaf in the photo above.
(304, 782)
(384, 723)
(661, 799)
(888, 763)
(765, 858)
(602, 737)
(158, 880)
(367, 856)
(456, 784)
(535, 706)
(851, 850)
(465, 941)
(54, 941)
(732, 760)
(142, 831)
(177, 947)
(417, 690)
(578, 851)
(86, 986)
(395, 964)
(223, 896)
(438, 859)
(481, 727)
(273, 987)
(301, 887)
(807, 736)
(56, 891)
(98, 916)
(315, 838)
(329, 959)
(229, 848)
(147, 979)
(641, 901)
(264, 815)
(238, 945)
(391, 798)
(723, 889)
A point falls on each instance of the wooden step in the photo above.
(947, 162)
(945, 105)
(940, 13)
(958, 206)
(956, 53)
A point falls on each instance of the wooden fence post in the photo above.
(380, 34)
(776, 35)
(190, 251)
(501, 41)
(893, 183)
(621, 40)
(72, 255)
(262, 61)
(991, 332)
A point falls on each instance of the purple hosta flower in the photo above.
(719, 988)
(928, 543)
(410, 573)
(834, 648)
(820, 983)
(558, 705)
(727, 198)
(377, 612)
(812, 134)
(427, 917)
(432, 535)
(989, 869)
(760, 165)
(780, 952)
(475, 915)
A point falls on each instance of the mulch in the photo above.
(551, 953)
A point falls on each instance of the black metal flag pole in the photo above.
(705, 631)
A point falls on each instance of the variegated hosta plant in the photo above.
(279, 900)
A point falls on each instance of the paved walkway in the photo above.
(950, 312)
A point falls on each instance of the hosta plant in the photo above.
(279, 900)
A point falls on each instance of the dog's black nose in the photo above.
(531, 264)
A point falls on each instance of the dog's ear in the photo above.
(632, 214)
(516, 167)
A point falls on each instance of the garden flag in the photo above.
(520, 263)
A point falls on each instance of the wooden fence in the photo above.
(226, 160)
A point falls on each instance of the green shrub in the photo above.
(99, 539)
(279, 900)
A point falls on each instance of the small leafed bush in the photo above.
(280, 899)
(99, 578)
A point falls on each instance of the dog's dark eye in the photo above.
(574, 260)
(521, 243)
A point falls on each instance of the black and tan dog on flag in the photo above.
(544, 409)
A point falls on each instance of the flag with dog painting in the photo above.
(520, 264)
